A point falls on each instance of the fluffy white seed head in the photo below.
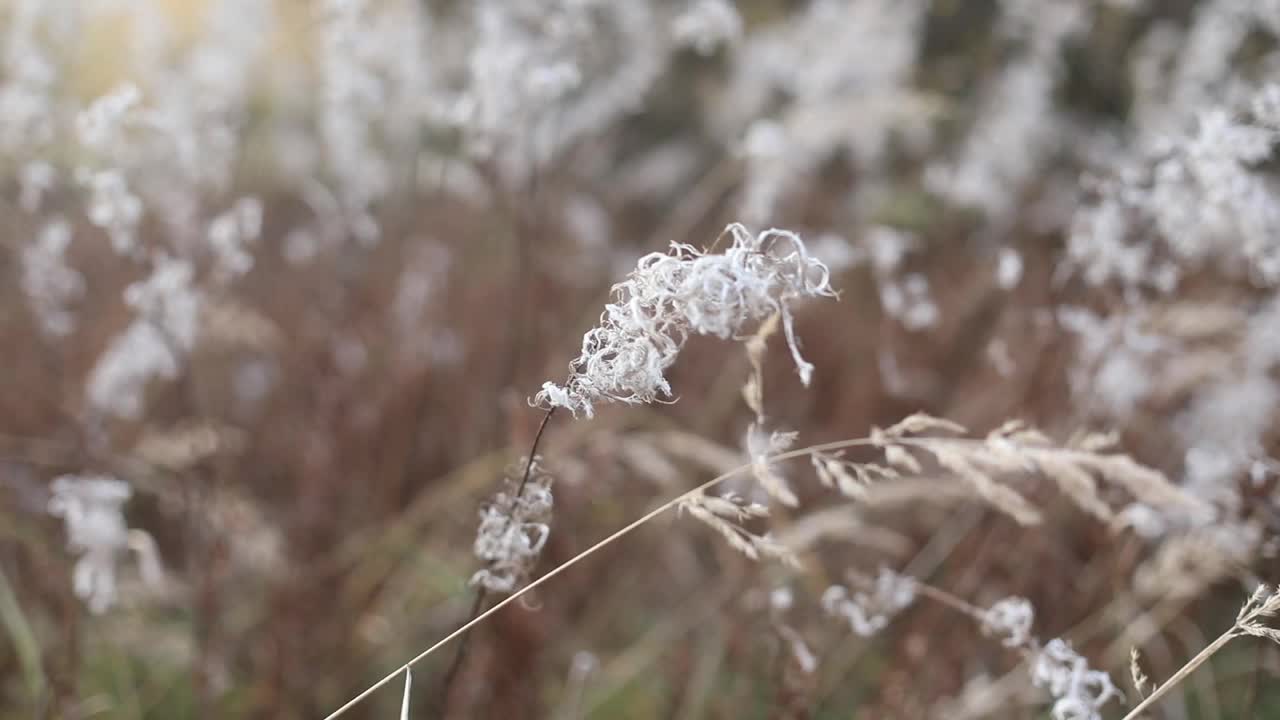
(670, 296)
(91, 506)
(514, 527)
(1010, 620)
(1078, 691)
(869, 612)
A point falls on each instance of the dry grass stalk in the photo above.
(1078, 691)
(762, 448)
(1184, 564)
(1141, 683)
(185, 446)
(1001, 452)
(725, 515)
(227, 323)
(1264, 604)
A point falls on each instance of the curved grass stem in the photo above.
(582, 556)
(1186, 670)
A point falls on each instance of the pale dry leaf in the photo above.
(756, 346)
(762, 447)
(1076, 483)
(901, 458)
(1095, 442)
(998, 496)
(715, 513)
(922, 422)
(1146, 484)
(834, 472)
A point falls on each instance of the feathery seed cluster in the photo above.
(670, 296)
(513, 529)
(869, 613)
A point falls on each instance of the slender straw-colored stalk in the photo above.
(408, 691)
(945, 598)
(1186, 670)
(1264, 603)
(588, 552)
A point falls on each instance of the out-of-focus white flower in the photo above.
(30, 72)
(708, 24)
(1192, 197)
(91, 506)
(231, 232)
(1010, 619)
(36, 179)
(100, 124)
(113, 207)
(119, 378)
(835, 78)
(869, 613)
(1016, 131)
(1078, 691)
(49, 282)
(152, 346)
(169, 300)
(670, 296)
(888, 247)
(1008, 268)
(909, 301)
(372, 95)
(1145, 520)
(514, 527)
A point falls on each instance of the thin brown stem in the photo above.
(533, 451)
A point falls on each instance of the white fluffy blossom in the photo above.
(1193, 197)
(869, 613)
(152, 346)
(542, 74)
(1008, 268)
(30, 74)
(91, 506)
(99, 125)
(708, 24)
(1010, 619)
(1016, 130)
(35, 180)
(670, 296)
(113, 206)
(169, 300)
(834, 79)
(119, 379)
(909, 301)
(371, 88)
(49, 281)
(1078, 691)
(230, 234)
(514, 527)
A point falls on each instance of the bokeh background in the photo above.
(289, 271)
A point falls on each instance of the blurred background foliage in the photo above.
(311, 470)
